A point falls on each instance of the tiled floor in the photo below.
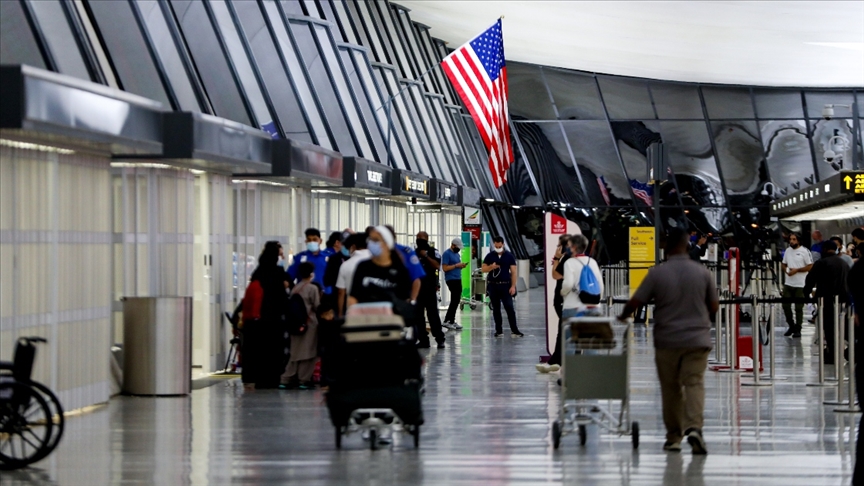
(488, 417)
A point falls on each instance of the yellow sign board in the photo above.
(641, 255)
(854, 183)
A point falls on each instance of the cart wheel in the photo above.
(416, 433)
(556, 434)
(473, 306)
(338, 437)
(373, 439)
(634, 432)
(583, 435)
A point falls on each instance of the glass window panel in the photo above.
(676, 101)
(327, 8)
(816, 101)
(728, 102)
(451, 144)
(432, 128)
(324, 88)
(334, 66)
(860, 97)
(740, 154)
(17, 43)
(241, 62)
(311, 9)
(823, 133)
(166, 49)
(404, 39)
(416, 130)
(633, 139)
(389, 36)
(593, 148)
(775, 103)
(528, 95)
(396, 126)
(296, 70)
(293, 7)
(344, 20)
(54, 25)
(787, 151)
(690, 153)
(368, 113)
(626, 98)
(127, 47)
(371, 87)
(210, 60)
(373, 26)
(575, 95)
(280, 87)
(432, 60)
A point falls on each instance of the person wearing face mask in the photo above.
(797, 261)
(500, 267)
(382, 278)
(304, 347)
(451, 263)
(428, 297)
(314, 255)
(356, 244)
(336, 253)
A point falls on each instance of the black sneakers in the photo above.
(498, 334)
(696, 441)
(789, 332)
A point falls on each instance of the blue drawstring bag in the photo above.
(589, 286)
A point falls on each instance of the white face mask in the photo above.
(499, 250)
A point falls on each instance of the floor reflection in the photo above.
(488, 422)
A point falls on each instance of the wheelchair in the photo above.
(31, 416)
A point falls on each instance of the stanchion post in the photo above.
(718, 334)
(730, 337)
(754, 335)
(820, 339)
(850, 323)
(839, 369)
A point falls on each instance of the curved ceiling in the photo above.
(771, 43)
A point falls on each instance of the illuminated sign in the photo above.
(374, 176)
(853, 183)
(413, 185)
(446, 191)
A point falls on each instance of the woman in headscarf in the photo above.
(383, 278)
(264, 332)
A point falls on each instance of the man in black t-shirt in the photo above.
(427, 301)
(500, 267)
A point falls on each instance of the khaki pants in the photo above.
(682, 384)
(302, 370)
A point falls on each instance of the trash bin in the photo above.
(157, 345)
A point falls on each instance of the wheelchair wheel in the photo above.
(25, 425)
(57, 419)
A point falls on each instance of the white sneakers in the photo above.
(547, 368)
(452, 325)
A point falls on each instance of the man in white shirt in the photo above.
(356, 245)
(797, 261)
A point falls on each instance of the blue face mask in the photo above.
(374, 247)
(313, 246)
(346, 252)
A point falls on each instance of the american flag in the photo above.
(643, 191)
(478, 73)
(601, 181)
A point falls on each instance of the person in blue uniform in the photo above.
(500, 267)
(314, 255)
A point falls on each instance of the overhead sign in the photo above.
(365, 174)
(852, 183)
(410, 184)
(555, 226)
(641, 255)
(426, 208)
(444, 192)
(472, 217)
(473, 230)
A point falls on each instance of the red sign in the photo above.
(474, 230)
(559, 225)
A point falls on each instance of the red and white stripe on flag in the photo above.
(479, 75)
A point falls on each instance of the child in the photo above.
(304, 348)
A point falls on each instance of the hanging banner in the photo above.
(555, 227)
(466, 257)
(471, 217)
(641, 255)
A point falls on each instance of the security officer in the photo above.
(427, 302)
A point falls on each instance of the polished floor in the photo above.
(488, 415)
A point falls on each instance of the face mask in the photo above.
(420, 242)
(499, 250)
(567, 250)
(313, 246)
(345, 251)
(374, 247)
(281, 262)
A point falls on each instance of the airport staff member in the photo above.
(684, 297)
(797, 261)
(500, 267)
(314, 255)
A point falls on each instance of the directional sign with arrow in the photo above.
(853, 183)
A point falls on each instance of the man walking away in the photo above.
(828, 275)
(796, 263)
(451, 263)
(684, 297)
(841, 251)
(428, 298)
(500, 267)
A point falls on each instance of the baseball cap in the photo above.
(457, 242)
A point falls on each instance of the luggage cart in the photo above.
(595, 366)
(478, 287)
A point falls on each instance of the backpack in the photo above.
(589, 286)
(252, 300)
(297, 316)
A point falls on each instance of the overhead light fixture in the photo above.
(489, 200)
(140, 165)
(257, 181)
(517, 207)
(35, 146)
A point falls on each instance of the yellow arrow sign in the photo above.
(848, 181)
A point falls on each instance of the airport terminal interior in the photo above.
(167, 165)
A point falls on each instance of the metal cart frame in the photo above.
(595, 369)
(478, 287)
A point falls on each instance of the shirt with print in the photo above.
(411, 261)
(373, 283)
(450, 257)
(797, 258)
(500, 275)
